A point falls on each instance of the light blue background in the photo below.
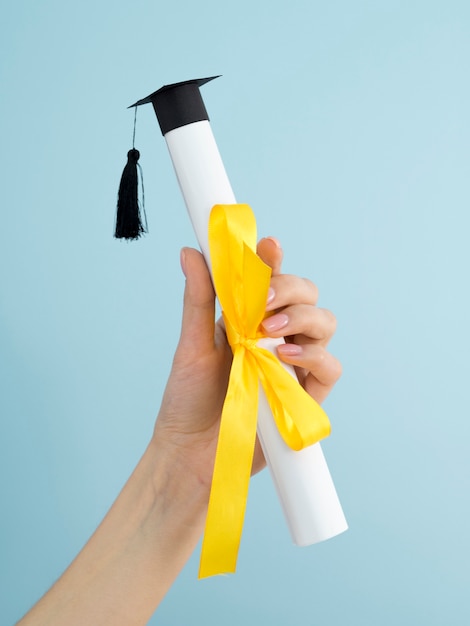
(345, 125)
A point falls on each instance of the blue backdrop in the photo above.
(345, 125)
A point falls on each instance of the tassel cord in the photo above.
(131, 218)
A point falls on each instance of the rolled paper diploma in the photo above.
(302, 479)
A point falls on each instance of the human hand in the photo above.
(192, 404)
(157, 519)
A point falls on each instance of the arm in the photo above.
(134, 556)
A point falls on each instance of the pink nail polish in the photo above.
(275, 241)
(289, 349)
(275, 322)
(271, 295)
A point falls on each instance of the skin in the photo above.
(134, 556)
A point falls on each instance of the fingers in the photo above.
(270, 251)
(307, 327)
(312, 359)
(316, 368)
(302, 319)
(197, 330)
(287, 290)
(308, 330)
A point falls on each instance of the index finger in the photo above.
(270, 251)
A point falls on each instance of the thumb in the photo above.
(197, 329)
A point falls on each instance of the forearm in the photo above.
(136, 553)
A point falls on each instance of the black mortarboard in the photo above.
(178, 104)
(175, 105)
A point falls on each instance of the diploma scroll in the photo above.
(302, 479)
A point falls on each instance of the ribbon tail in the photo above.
(300, 420)
(232, 469)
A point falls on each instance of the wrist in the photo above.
(179, 490)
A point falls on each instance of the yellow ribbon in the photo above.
(241, 281)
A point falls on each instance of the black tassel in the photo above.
(129, 223)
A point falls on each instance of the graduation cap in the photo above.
(175, 105)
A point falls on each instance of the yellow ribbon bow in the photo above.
(241, 281)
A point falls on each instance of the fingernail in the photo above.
(289, 349)
(271, 295)
(183, 260)
(275, 322)
(275, 241)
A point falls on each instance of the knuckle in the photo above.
(322, 324)
(319, 358)
(312, 288)
(328, 367)
(336, 370)
(331, 322)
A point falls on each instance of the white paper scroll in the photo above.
(302, 479)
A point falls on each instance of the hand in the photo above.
(155, 523)
(192, 404)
